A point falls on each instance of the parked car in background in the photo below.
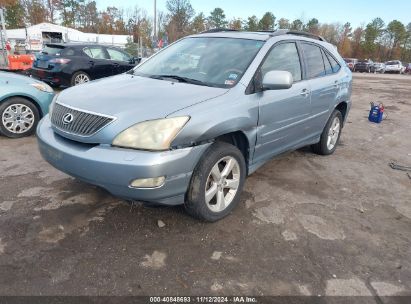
(72, 63)
(190, 123)
(394, 66)
(366, 66)
(23, 101)
(408, 68)
(379, 67)
(351, 63)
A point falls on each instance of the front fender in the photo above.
(228, 113)
(41, 99)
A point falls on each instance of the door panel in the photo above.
(99, 65)
(283, 114)
(324, 84)
(120, 61)
(283, 120)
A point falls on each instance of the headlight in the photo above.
(42, 87)
(151, 135)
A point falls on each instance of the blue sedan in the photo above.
(23, 102)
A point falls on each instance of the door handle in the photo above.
(91, 62)
(336, 84)
(305, 92)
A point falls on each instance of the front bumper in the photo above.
(114, 168)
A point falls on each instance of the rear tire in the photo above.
(18, 117)
(217, 182)
(330, 136)
(79, 78)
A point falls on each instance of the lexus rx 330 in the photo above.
(190, 123)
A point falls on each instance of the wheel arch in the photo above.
(343, 108)
(28, 98)
(239, 140)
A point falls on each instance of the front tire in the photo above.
(330, 136)
(18, 117)
(217, 183)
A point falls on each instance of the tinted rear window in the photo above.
(314, 58)
(52, 50)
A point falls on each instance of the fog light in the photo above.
(148, 182)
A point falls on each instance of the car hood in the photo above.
(132, 99)
(8, 76)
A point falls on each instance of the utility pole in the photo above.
(3, 34)
(155, 21)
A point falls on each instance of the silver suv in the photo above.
(190, 123)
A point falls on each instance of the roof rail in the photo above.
(297, 33)
(217, 30)
(271, 33)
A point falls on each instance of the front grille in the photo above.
(82, 123)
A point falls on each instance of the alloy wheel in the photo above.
(333, 133)
(81, 78)
(222, 184)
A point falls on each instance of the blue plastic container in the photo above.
(376, 113)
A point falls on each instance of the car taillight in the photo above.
(59, 60)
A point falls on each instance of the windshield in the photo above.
(218, 62)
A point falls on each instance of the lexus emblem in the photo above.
(67, 118)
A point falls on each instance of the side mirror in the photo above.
(277, 80)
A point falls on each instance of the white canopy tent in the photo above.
(35, 36)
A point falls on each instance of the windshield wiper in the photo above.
(180, 79)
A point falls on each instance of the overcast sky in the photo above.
(357, 12)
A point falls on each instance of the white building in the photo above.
(35, 36)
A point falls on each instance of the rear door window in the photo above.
(53, 50)
(327, 64)
(95, 52)
(283, 57)
(334, 63)
(314, 60)
(330, 63)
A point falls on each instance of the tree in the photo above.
(252, 24)
(198, 24)
(217, 18)
(397, 34)
(297, 25)
(52, 7)
(14, 14)
(236, 24)
(356, 42)
(68, 10)
(284, 24)
(313, 26)
(180, 12)
(267, 22)
(36, 11)
(345, 42)
(373, 31)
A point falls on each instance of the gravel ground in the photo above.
(306, 225)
